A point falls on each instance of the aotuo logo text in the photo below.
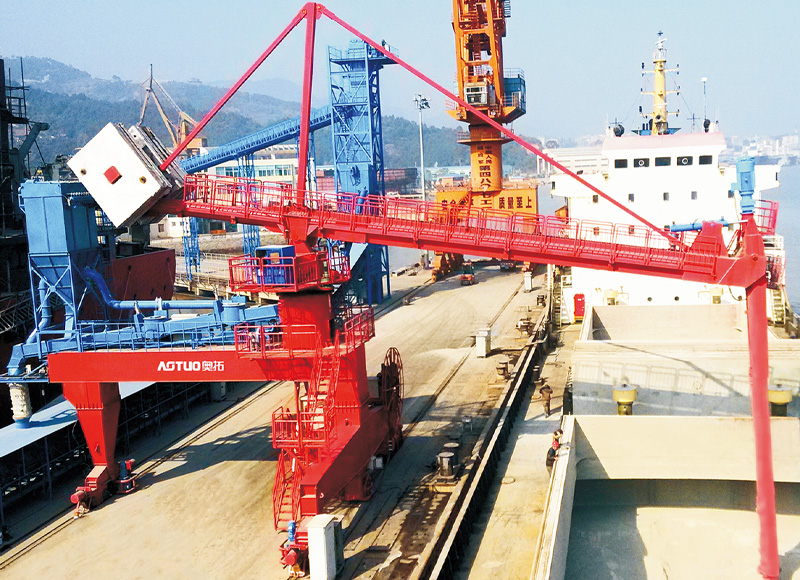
(191, 365)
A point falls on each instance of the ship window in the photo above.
(705, 159)
(666, 196)
(595, 198)
(685, 160)
(620, 163)
(694, 196)
(630, 197)
(663, 161)
(644, 162)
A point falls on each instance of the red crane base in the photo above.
(98, 412)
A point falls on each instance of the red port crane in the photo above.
(335, 372)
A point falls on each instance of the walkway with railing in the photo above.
(466, 230)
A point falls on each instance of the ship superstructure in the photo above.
(675, 180)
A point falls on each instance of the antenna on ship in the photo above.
(706, 121)
(693, 118)
(658, 119)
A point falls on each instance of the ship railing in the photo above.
(766, 214)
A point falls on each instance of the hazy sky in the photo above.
(582, 58)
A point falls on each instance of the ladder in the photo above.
(778, 306)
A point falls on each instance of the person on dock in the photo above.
(546, 392)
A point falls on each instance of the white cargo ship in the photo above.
(670, 178)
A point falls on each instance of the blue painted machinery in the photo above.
(191, 247)
(74, 310)
(358, 159)
(273, 135)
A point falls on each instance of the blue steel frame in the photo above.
(191, 246)
(357, 138)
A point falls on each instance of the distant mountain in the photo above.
(274, 87)
(74, 119)
(52, 76)
(77, 106)
(195, 98)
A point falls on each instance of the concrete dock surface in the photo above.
(204, 510)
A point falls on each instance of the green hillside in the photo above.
(77, 106)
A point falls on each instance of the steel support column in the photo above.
(305, 104)
(759, 377)
(98, 413)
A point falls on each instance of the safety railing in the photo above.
(766, 214)
(279, 489)
(144, 334)
(356, 327)
(286, 484)
(313, 430)
(448, 228)
(280, 340)
(515, 99)
(288, 273)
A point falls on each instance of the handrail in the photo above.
(433, 225)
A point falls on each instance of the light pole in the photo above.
(421, 102)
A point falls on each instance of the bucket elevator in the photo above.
(328, 434)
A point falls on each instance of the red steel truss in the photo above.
(749, 270)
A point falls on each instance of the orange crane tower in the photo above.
(480, 26)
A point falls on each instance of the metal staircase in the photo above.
(16, 312)
(557, 298)
(778, 306)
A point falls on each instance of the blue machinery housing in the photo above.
(65, 257)
(357, 138)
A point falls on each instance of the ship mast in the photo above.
(659, 124)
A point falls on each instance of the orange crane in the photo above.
(177, 131)
(484, 83)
